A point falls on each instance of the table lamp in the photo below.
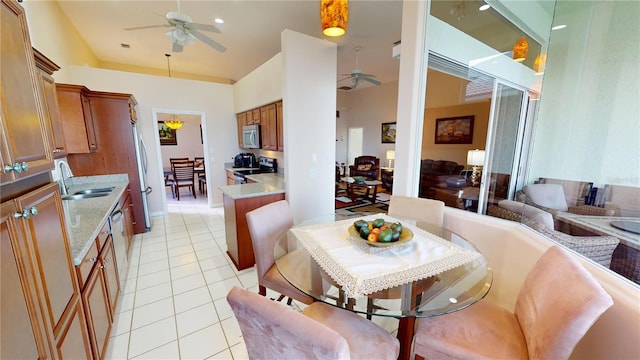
(391, 155)
(475, 158)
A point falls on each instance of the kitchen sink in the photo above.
(84, 196)
(94, 191)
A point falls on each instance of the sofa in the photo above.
(365, 165)
(434, 174)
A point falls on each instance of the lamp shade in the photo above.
(475, 157)
(520, 49)
(391, 154)
(334, 16)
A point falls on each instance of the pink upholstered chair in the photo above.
(266, 225)
(556, 306)
(427, 210)
(274, 331)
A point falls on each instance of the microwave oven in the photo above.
(251, 136)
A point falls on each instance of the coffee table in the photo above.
(369, 186)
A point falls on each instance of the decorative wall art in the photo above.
(167, 136)
(389, 133)
(455, 130)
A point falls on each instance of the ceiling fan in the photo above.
(185, 32)
(357, 76)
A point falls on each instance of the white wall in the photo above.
(165, 94)
(589, 120)
(309, 108)
(260, 87)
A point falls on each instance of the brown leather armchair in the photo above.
(365, 166)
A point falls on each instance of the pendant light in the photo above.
(538, 65)
(174, 123)
(334, 16)
(520, 49)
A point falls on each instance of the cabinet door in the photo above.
(73, 341)
(23, 333)
(279, 126)
(75, 109)
(249, 117)
(96, 310)
(110, 269)
(24, 150)
(242, 121)
(50, 105)
(51, 250)
(127, 214)
(256, 116)
(269, 127)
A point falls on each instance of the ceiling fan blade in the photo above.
(367, 75)
(204, 27)
(147, 27)
(373, 81)
(208, 41)
(343, 79)
(177, 47)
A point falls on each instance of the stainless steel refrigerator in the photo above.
(143, 166)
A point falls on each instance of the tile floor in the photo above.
(173, 305)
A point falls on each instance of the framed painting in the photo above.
(167, 135)
(455, 130)
(389, 133)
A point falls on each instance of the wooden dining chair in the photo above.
(274, 331)
(552, 313)
(266, 225)
(427, 210)
(201, 174)
(183, 177)
(168, 179)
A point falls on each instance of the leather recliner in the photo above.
(365, 166)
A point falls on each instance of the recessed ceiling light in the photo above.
(218, 21)
(558, 27)
(484, 7)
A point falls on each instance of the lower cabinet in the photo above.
(100, 291)
(40, 294)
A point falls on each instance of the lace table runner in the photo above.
(361, 269)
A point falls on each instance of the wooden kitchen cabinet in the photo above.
(24, 134)
(249, 115)
(269, 128)
(75, 109)
(34, 234)
(241, 119)
(230, 179)
(127, 213)
(46, 69)
(280, 126)
(256, 116)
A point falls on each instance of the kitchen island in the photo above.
(240, 199)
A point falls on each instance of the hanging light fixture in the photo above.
(334, 16)
(539, 64)
(520, 49)
(174, 123)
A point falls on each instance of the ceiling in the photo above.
(251, 33)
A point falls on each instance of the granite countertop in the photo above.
(267, 184)
(85, 217)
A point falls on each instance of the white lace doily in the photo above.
(361, 269)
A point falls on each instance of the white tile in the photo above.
(165, 352)
(213, 262)
(204, 343)
(118, 347)
(121, 323)
(155, 293)
(232, 330)
(208, 253)
(152, 336)
(191, 299)
(248, 279)
(239, 352)
(183, 259)
(153, 279)
(187, 283)
(218, 274)
(126, 302)
(223, 308)
(150, 313)
(151, 267)
(176, 242)
(153, 256)
(222, 355)
(221, 288)
(181, 250)
(196, 319)
(185, 270)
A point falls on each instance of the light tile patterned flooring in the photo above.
(173, 305)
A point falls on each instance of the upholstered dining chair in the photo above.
(274, 331)
(420, 209)
(183, 177)
(557, 304)
(266, 224)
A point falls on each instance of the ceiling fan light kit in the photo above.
(334, 16)
(357, 76)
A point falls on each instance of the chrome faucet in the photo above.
(65, 189)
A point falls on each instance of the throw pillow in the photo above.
(364, 167)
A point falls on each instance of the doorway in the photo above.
(354, 144)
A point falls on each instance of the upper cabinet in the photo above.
(24, 149)
(242, 121)
(50, 103)
(75, 109)
(269, 127)
(280, 126)
(269, 117)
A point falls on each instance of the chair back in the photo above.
(266, 225)
(427, 210)
(547, 195)
(198, 162)
(556, 311)
(183, 171)
(180, 159)
(273, 331)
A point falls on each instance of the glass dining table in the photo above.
(432, 273)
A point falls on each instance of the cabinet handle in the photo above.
(26, 213)
(93, 259)
(101, 267)
(57, 150)
(106, 261)
(18, 168)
